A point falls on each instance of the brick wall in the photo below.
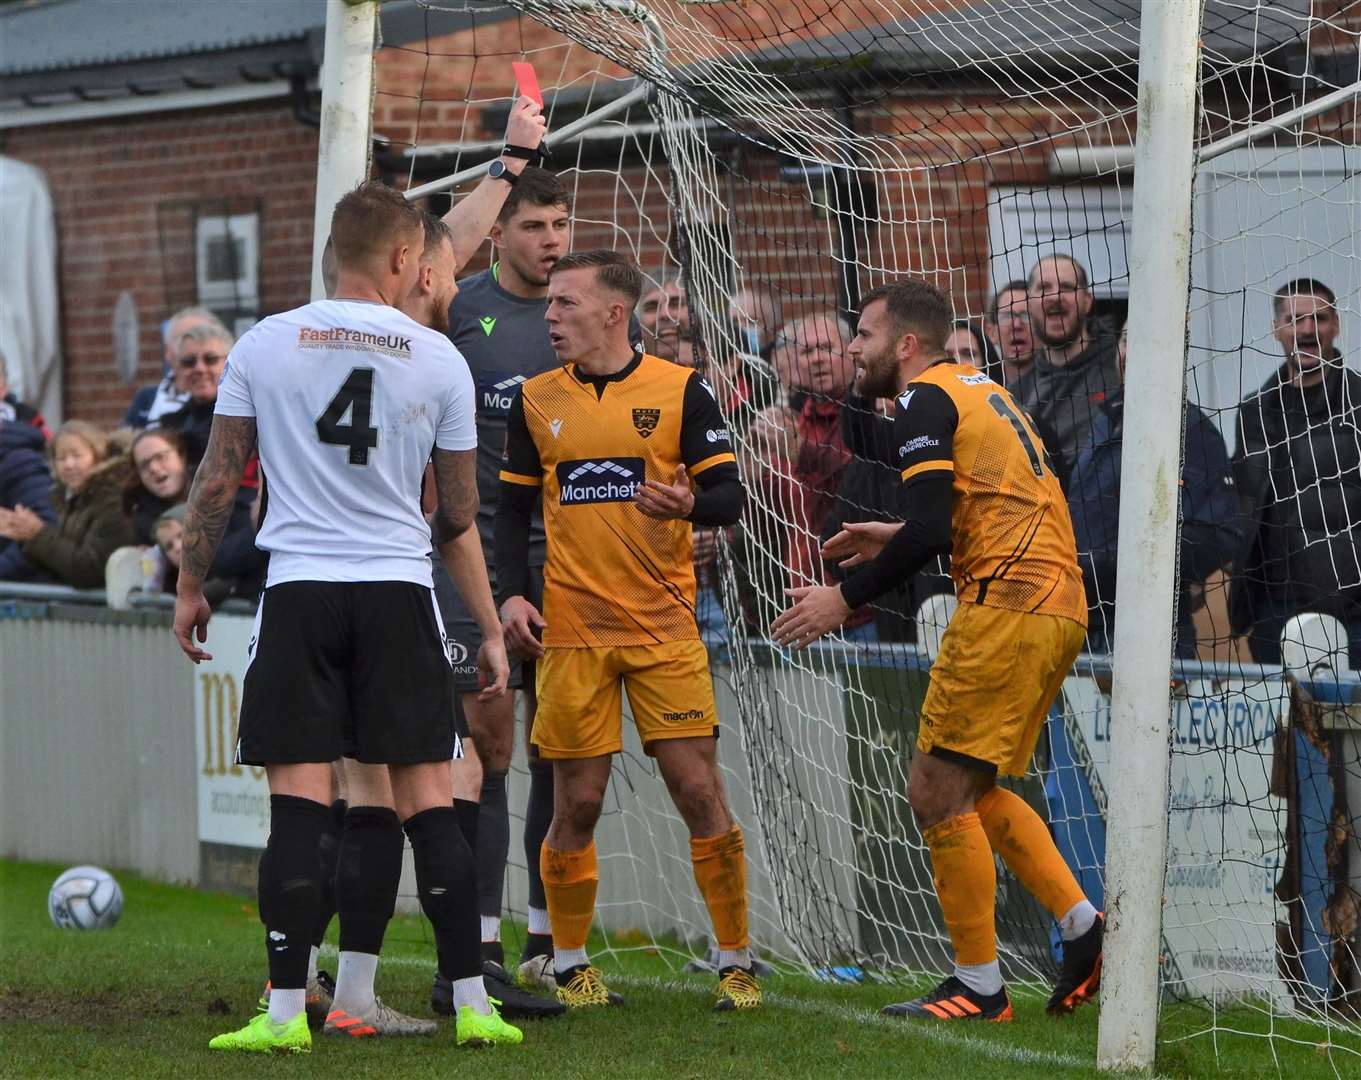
(126, 194)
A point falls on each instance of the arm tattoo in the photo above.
(456, 481)
(213, 495)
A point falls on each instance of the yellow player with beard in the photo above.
(975, 484)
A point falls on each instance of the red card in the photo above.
(527, 80)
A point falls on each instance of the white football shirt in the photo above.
(349, 400)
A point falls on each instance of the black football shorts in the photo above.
(348, 669)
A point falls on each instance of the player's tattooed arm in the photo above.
(456, 485)
(213, 496)
(211, 500)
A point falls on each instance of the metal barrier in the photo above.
(96, 737)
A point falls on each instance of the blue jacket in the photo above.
(24, 479)
(1211, 531)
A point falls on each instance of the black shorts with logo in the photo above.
(464, 636)
(348, 669)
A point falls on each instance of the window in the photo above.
(228, 262)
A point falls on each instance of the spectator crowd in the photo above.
(70, 499)
(1267, 530)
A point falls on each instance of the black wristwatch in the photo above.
(497, 171)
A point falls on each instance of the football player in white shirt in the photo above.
(346, 400)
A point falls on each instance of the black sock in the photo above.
(330, 852)
(493, 951)
(290, 886)
(536, 945)
(366, 881)
(493, 843)
(446, 881)
(538, 817)
(468, 813)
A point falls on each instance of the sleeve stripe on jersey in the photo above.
(709, 463)
(517, 478)
(927, 466)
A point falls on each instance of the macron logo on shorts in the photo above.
(599, 480)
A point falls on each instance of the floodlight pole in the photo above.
(346, 114)
(1159, 262)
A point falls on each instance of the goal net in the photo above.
(778, 160)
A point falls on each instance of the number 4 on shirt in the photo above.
(355, 397)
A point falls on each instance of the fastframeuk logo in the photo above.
(599, 480)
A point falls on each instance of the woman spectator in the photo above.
(160, 482)
(90, 524)
(159, 479)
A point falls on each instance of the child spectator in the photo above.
(238, 570)
(90, 522)
(169, 534)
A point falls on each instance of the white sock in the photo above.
(1078, 920)
(285, 1004)
(538, 921)
(566, 959)
(980, 978)
(734, 958)
(354, 981)
(491, 927)
(472, 992)
(312, 965)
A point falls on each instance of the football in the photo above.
(85, 898)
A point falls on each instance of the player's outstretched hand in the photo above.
(493, 669)
(526, 124)
(666, 501)
(817, 609)
(859, 541)
(191, 621)
(522, 624)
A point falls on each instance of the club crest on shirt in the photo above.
(645, 421)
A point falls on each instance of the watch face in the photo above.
(496, 168)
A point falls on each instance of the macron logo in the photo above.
(500, 396)
(555, 426)
(488, 324)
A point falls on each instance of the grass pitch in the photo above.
(143, 999)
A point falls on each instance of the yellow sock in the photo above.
(1020, 836)
(966, 885)
(721, 873)
(569, 884)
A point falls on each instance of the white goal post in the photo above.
(1160, 283)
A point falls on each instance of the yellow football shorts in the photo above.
(992, 684)
(580, 708)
